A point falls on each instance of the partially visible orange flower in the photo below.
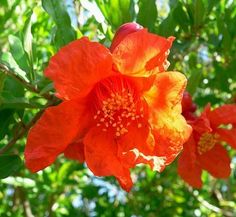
(117, 110)
(204, 150)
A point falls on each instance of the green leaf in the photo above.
(8, 60)
(47, 88)
(199, 12)
(18, 52)
(28, 40)
(65, 170)
(7, 100)
(194, 81)
(64, 31)
(116, 12)
(2, 79)
(167, 27)
(6, 117)
(9, 165)
(181, 17)
(147, 13)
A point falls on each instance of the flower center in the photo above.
(117, 112)
(207, 142)
(117, 105)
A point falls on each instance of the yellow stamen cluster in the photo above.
(207, 142)
(118, 111)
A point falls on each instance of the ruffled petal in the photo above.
(75, 151)
(54, 131)
(141, 53)
(167, 92)
(225, 114)
(101, 157)
(170, 129)
(216, 162)
(137, 147)
(188, 168)
(228, 136)
(77, 67)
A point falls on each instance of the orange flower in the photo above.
(203, 151)
(117, 111)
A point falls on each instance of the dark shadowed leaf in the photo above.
(64, 31)
(9, 165)
(147, 13)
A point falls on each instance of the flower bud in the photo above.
(122, 32)
(186, 101)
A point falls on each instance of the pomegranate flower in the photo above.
(203, 150)
(117, 110)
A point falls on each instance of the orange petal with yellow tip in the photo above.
(142, 54)
(169, 126)
(167, 91)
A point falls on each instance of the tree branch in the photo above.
(27, 85)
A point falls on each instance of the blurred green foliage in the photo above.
(32, 31)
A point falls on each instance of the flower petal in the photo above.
(54, 131)
(188, 168)
(225, 114)
(75, 151)
(228, 136)
(77, 67)
(140, 53)
(137, 147)
(101, 157)
(216, 161)
(169, 126)
(167, 92)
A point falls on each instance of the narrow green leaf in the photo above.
(28, 40)
(9, 165)
(47, 88)
(64, 31)
(7, 100)
(6, 116)
(193, 81)
(181, 17)
(2, 79)
(199, 12)
(147, 13)
(116, 12)
(167, 27)
(18, 52)
(8, 60)
(65, 170)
